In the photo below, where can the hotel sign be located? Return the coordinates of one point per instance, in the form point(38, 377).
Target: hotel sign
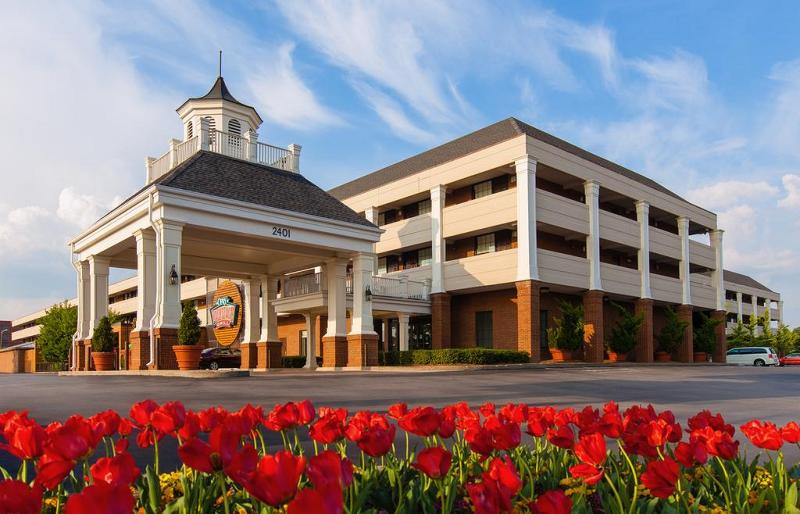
point(226, 313)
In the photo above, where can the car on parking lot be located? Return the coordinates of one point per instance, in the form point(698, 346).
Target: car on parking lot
point(220, 357)
point(790, 359)
point(753, 356)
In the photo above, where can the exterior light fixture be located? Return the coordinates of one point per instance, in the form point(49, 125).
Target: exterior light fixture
point(368, 294)
point(544, 290)
point(173, 276)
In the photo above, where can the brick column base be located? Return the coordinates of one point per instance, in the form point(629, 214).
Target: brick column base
point(362, 350)
point(140, 350)
point(528, 328)
point(88, 365)
point(166, 338)
point(440, 321)
point(720, 339)
point(644, 339)
point(249, 355)
point(81, 356)
point(270, 355)
point(334, 351)
point(594, 337)
point(686, 349)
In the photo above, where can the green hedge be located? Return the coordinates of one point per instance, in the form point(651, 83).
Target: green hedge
point(453, 356)
point(297, 361)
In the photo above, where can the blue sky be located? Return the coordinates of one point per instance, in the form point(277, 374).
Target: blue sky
point(702, 96)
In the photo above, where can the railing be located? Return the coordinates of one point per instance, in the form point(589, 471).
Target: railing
point(159, 167)
point(274, 156)
point(304, 284)
point(228, 144)
point(379, 286)
point(186, 149)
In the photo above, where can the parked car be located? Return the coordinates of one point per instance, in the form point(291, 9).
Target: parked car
point(753, 356)
point(790, 359)
point(220, 357)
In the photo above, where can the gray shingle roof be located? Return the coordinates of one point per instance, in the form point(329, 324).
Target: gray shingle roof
point(743, 280)
point(478, 140)
point(226, 177)
point(219, 91)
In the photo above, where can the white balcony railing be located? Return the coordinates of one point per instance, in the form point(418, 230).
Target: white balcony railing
point(303, 284)
point(393, 287)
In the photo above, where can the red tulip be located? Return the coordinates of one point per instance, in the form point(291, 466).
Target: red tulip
point(329, 427)
point(791, 432)
point(398, 410)
point(25, 441)
point(141, 413)
point(487, 409)
point(51, 470)
point(17, 498)
point(371, 432)
point(705, 419)
point(589, 473)
point(283, 417)
point(591, 449)
point(496, 490)
point(552, 502)
point(118, 470)
point(168, 418)
point(326, 501)
point(691, 453)
point(661, 477)
point(506, 435)
point(221, 453)
point(434, 462)
point(275, 479)
point(253, 415)
point(484, 498)
point(503, 472)
point(421, 421)
point(465, 417)
point(763, 434)
point(329, 469)
point(516, 412)
point(101, 497)
point(306, 412)
point(191, 426)
point(539, 420)
point(563, 437)
point(106, 423)
point(479, 440)
point(588, 420)
point(211, 418)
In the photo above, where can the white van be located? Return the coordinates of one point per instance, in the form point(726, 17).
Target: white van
point(753, 356)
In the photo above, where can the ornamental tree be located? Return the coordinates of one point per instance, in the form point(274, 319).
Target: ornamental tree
point(57, 328)
point(189, 325)
point(671, 335)
point(103, 336)
point(568, 331)
point(704, 333)
point(623, 336)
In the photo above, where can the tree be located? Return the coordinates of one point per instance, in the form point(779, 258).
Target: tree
point(568, 331)
point(785, 340)
point(704, 333)
point(189, 325)
point(741, 335)
point(103, 336)
point(671, 335)
point(58, 325)
point(624, 334)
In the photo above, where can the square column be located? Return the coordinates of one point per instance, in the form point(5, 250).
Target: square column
point(252, 322)
point(270, 352)
point(168, 293)
point(362, 341)
point(527, 268)
point(720, 339)
point(145, 278)
point(686, 349)
point(780, 311)
point(644, 338)
point(685, 275)
point(754, 303)
point(440, 321)
point(594, 337)
point(371, 213)
point(335, 338)
point(84, 319)
point(592, 192)
point(402, 321)
point(717, 277)
point(98, 291)
point(437, 239)
point(311, 350)
point(643, 218)
point(528, 329)
point(739, 313)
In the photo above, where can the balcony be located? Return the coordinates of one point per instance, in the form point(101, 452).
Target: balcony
point(481, 213)
point(620, 280)
point(619, 229)
point(405, 233)
point(703, 294)
point(18, 335)
point(665, 243)
point(560, 268)
point(702, 254)
point(558, 211)
point(481, 270)
point(666, 289)
point(392, 287)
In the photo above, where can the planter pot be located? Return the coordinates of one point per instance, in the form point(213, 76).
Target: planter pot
point(663, 357)
point(188, 356)
point(700, 357)
point(561, 355)
point(103, 361)
point(617, 357)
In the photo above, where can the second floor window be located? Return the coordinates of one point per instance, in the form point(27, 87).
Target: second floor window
point(424, 256)
point(482, 189)
point(424, 206)
point(484, 244)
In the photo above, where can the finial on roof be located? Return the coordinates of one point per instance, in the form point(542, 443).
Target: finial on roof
point(219, 74)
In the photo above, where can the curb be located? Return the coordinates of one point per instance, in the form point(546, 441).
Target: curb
point(172, 373)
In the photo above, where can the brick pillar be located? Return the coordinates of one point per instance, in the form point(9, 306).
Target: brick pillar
point(362, 350)
point(593, 326)
point(87, 355)
point(720, 339)
point(440, 321)
point(686, 349)
point(140, 349)
point(334, 351)
point(644, 339)
point(81, 356)
point(166, 338)
point(249, 355)
point(528, 318)
point(274, 354)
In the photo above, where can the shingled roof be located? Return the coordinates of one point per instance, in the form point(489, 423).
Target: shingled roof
point(226, 177)
point(478, 140)
point(743, 280)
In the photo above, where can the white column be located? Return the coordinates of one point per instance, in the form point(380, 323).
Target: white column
point(754, 303)
point(145, 278)
point(84, 295)
point(643, 217)
point(311, 348)
point(294, 151)
point(251, 144)
point(403, 331)
point(203, 130)
point(527, 267)
point(592, 192)
point(169, 309)
point(371, 213)
point(780, 311)
point(269, 321)
point(98, 290)
point(173, 152)
point(362, 308)
point(739, 312)
point(252, 320)
point(336, 273)
point(717, 278)
point(684, 273)
point(437, 239)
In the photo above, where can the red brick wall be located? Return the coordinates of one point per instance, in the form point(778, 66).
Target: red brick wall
point(503, 305)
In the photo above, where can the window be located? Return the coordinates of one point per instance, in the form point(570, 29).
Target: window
point(212, 131)
point(381, 265)
point(424, 256)
point(483, 329)
point(234, 127)
point(425, 206)
point(482, 189)
point(189, 130)
point(484, 244)
point(303, 342)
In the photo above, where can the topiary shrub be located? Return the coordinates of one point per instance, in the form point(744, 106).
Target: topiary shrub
point(475, 356)
point(567, 334)
point(704, 336)
point(103, 336)
point(671, 335)
point(189, 325)
point(624, 334)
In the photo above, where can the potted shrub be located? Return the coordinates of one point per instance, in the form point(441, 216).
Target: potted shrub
point(566, 337)
point(103, 345)
point(187, 351)
point(704, 337)
point(670, 336)
point(624, 334)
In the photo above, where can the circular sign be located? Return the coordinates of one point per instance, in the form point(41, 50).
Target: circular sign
point(226, 313)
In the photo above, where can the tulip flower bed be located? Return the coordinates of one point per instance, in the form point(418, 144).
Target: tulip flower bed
point(515, 458)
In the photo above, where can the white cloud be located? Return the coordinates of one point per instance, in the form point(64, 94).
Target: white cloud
point(392, 114)
point(28, 229)
point(791, 184)
point(781, 129)
point(674, 82)
point(721, 195)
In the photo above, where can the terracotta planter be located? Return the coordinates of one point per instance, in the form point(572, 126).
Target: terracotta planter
point(561, 355)
point(663, 357)
point(188, 356)
point(103, 361)
point(700, 357)
point(617, 357)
